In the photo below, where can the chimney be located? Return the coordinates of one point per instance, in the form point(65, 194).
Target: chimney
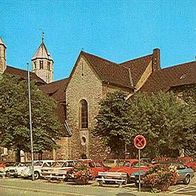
point(2, 56)
point(156, 59)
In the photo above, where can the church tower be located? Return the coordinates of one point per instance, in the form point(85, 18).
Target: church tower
point(2, 56)
point(42, 63)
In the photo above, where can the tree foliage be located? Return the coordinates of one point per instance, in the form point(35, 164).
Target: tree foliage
point(167, 123)
point(112, 121)
point(14, 121)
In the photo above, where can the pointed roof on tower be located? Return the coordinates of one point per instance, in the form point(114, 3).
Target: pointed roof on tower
point(42, 52)
point(1, 42)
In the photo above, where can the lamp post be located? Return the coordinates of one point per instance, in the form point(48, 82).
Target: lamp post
point(30, 121)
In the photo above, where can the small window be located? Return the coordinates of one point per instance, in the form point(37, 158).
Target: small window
point(35, 65)
point(41, 64)
point(48, 66)
point(84, 113)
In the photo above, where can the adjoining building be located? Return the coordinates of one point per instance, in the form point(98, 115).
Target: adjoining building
point(91, 78)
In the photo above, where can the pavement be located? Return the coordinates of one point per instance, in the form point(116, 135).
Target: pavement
point(17, 186)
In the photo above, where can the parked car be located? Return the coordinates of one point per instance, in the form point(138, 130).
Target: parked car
point(2, 169)
point(58, 170)
point(113, 162)
point(189, 162)
point(16, 169)
point(124, 172)
point(38, 165)
point(184, 173)
point(94, 168)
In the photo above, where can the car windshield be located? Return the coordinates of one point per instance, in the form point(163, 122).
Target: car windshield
point(57, 164)
point(68, 164)
point(11, 164)
point(127, 164)
point(142, 164)
point(38, 163)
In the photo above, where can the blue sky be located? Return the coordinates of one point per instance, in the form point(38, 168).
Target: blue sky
point(115, 30)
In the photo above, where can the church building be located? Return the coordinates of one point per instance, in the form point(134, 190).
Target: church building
point(91, 78)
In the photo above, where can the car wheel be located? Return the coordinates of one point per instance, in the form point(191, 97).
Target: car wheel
point(187, 179)
point(126, 180)
point(137, 184)
point(36, 175)
point(66, 179)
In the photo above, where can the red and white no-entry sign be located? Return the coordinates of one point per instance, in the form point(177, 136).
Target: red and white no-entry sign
point(139, 142)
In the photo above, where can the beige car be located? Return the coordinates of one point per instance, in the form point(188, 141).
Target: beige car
point(58, 170)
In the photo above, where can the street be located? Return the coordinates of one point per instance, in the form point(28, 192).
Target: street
point(17, 186)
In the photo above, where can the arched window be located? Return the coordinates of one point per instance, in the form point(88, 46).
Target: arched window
point(84, 113)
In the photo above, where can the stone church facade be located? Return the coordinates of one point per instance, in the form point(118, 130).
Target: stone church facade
point(92, 77)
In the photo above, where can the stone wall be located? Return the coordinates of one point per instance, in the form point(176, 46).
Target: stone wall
point(84, 84)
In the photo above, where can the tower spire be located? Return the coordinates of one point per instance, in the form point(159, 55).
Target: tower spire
point(42, 37)
point(42, 63)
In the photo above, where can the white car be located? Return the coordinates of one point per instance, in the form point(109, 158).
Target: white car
point(38, 165)
point(16, 169)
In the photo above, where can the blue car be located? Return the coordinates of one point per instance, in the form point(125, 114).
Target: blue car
point(184, 173)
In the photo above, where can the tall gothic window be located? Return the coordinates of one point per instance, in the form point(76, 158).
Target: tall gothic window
point(48, 64)
point(84, 113)
point(41, 64)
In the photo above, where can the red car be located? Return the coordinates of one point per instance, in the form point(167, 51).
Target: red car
point(189, 162)
point(95, 167)
point(130, 167)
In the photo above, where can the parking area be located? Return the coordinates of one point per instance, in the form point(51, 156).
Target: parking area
point(18, 186)
point(182, 189)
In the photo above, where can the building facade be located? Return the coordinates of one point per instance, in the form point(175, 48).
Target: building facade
point(92, 77)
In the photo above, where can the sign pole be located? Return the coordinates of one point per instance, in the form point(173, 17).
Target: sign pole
point(139, 170)
point(30, 119)
point(139, 143)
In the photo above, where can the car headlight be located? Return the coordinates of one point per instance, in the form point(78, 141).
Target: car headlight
point(132, 176)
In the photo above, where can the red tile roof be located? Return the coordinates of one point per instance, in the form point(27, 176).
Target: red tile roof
point(115, 74)
point(23, 74)
point(169, 77)
point(56, 89)
point(137, 67)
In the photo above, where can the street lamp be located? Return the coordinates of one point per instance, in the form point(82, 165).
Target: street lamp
point(30, 120)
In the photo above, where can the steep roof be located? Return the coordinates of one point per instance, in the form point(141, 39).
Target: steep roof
point(164, 79)
point(23, 74)
point(1, 42)
point(109, 72)
point(56, 89)
point(137, 67)
point(42, 53)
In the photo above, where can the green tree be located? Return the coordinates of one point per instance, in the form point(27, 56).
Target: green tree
point(112, 122)
point(14, 121)
point(167, 123)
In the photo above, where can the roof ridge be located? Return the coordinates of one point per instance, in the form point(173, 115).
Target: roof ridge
point(138, 58)
point(57, 81)
point(86, 53)
point(177, 65)
point(18, 68)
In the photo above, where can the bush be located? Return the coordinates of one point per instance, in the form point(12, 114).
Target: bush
point(81, 173)
point(160, 177)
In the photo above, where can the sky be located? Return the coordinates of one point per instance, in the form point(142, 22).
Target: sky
point(118, 30)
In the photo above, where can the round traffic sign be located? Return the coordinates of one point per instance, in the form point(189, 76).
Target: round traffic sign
point(139, 141)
